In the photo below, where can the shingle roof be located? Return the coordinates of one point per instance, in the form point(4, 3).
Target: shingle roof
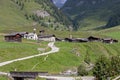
point(15, 33)
point(46, 36)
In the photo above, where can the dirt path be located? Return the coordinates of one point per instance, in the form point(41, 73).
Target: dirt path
point(3, 73)
point(51, 45)
point(117, 78)
point(69, 78)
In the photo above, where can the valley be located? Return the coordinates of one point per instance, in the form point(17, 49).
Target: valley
point(65, 59)
point(74, 20)
point(89, 15)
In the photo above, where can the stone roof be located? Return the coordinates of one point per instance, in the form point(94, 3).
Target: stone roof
point(15, 33)
point(45, 36)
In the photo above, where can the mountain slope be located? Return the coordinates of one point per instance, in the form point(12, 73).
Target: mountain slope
point(19, 15)
point(10, 16)
point(89, 14)
point(65, 59)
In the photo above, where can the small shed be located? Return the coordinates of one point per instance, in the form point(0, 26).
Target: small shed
point(68, 39)
point(14, 37)
point(46, 38)
point(82, 39)
point(91, 38)
point(109, 40)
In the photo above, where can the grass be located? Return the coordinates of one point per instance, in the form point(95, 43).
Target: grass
point(111, 32)
point(12, 19)
point(10, 50)
point(91, 23)
point(65, 59)
point(3, 78)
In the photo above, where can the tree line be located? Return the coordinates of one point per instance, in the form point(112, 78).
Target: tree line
point(104, 68)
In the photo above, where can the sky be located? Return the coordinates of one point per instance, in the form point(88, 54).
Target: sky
point(59, 2)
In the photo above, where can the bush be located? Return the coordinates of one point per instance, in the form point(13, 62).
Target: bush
point(82, 70)
point(115, 65)
point(105, 68)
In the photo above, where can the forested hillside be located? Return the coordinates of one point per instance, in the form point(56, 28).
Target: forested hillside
point(24, 14)
point(90, 14)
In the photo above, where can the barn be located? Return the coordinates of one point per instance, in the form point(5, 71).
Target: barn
point(109, 40)
point(13, 37)
point(91, 38)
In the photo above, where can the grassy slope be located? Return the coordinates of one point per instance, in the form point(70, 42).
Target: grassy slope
point(11, 17)
point(64, 59)
point(55, 63)
point(111, 32)
point(10, 51)
point(90, 23)
point(3, 78)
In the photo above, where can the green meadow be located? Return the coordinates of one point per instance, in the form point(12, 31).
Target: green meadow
point(70, 56)
point(66, 58)
point(11, 50)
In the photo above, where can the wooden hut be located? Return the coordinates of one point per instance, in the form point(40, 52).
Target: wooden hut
point(82, 39)
point(46, 38)
point(91, 38)
point(14, 37)
point(109, 40)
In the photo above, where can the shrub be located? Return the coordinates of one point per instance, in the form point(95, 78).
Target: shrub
point(82, 70)
point(105, 68)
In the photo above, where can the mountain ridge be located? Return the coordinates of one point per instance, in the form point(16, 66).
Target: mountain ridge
point(88, 13)
point(20, 15)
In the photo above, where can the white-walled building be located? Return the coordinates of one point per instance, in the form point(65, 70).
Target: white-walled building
point(32, 36)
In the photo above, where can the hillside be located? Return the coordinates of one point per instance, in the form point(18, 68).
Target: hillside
point(90, 14)
point(21, 15)
point(87, 16)
point(63, 60)
point(113, 32)
point(66, 58)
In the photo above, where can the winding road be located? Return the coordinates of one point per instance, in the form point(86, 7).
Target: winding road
point(53, 50)
point(51, 45)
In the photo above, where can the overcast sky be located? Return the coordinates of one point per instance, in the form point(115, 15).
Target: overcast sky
point(59, 1)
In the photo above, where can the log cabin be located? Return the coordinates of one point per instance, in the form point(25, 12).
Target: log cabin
point(14, 37)
point(91, 38)
point(109, 40)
